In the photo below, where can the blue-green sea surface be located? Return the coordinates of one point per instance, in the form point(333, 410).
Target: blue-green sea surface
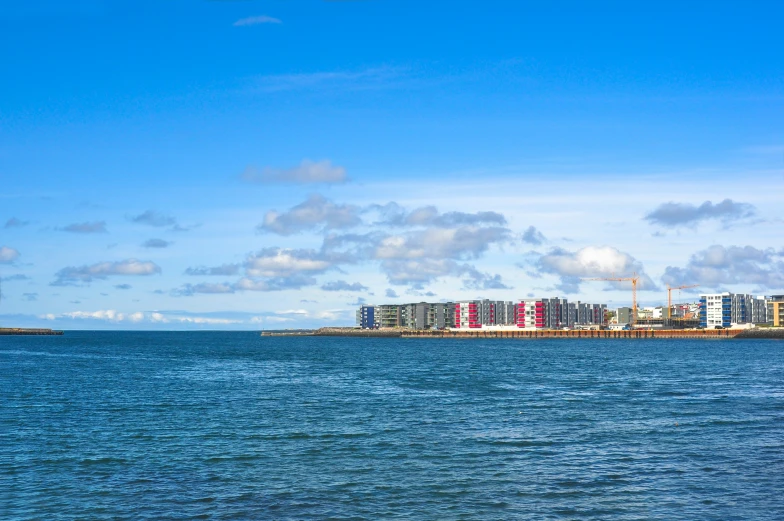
point(121, 425)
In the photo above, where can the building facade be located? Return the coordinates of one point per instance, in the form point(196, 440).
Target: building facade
point(623, 315)
point(473, 314)
point(366, 317)
point(420, 315)
point(534, 313)
point(726, 309)
point(775, 311)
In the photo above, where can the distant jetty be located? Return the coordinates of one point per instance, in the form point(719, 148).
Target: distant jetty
point(775, 333)
point(16, 331)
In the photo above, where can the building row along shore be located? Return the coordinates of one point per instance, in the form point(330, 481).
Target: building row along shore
point(712, 311)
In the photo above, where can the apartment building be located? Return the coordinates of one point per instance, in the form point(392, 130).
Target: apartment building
point(366, 317)
point(473, 314)
point(726, 309)
point(426, 315)
point(542, 313)
point(590, 314)
point(421, 315)
point(389, 315)
point(775, 310)
point(557, 313)
point(532, 313)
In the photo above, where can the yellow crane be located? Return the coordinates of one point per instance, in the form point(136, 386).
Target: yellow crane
point(634, 279)
point(669, 295)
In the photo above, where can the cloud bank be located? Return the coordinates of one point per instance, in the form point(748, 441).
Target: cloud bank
point(671, 215)
point(717, 266)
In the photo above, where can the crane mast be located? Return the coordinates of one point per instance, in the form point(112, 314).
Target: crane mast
point(634, 279)
point(669, 295)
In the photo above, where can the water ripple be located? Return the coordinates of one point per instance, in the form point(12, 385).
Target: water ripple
point(234, 426)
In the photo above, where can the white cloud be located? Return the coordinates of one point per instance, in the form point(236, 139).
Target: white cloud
point(441, 243)
point(393, 214)
point(591, 262)
point(256, 20)
point(323, 314)
point(140, 317)
point(341, 81)
point(342, 285)
point(102, 270)
point(153, 218)
point(8, 255)
point(14, 222)
point(275, 284)
point(85, 227)
point(156, 243)
point(307, 172)
point(672, 214)
point(15, 277)
point(316, 211)
point(223, 270)
point(717, 266)
point(278, 262)
point(533, 236)
point(109, 315)
point(187, 290)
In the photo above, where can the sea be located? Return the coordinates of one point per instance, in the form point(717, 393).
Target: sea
point(232, 425)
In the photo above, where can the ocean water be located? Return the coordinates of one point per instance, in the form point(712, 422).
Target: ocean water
point(121, 425)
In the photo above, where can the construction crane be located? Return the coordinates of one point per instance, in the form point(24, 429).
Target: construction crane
point(634, 279)
point(669, 296)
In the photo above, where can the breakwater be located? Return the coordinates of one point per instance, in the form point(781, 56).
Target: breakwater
point(15, 331)
point(547, 333)
point(350, 331)
point(763, 332)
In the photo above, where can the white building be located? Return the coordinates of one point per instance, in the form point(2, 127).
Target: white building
point(727, 309)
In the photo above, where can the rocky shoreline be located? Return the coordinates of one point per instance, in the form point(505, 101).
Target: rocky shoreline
point(350, 331)
point(763, 332)
point(15, 331)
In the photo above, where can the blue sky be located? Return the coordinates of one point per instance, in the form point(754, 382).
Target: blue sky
point(248, 164)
